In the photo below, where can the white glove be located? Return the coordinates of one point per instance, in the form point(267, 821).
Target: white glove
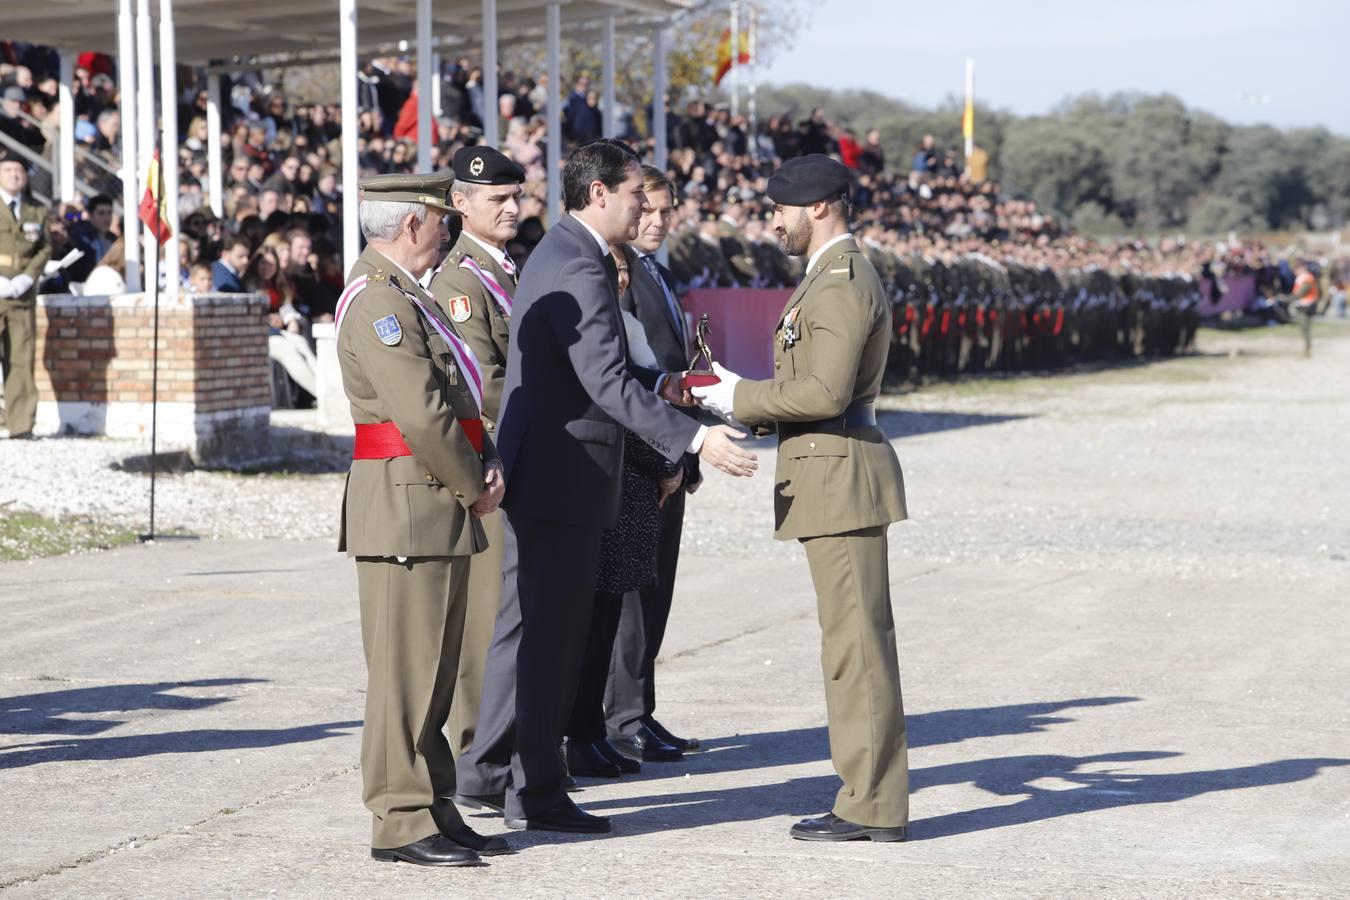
point(720, 397)
point(6, 288)
point(20, 284)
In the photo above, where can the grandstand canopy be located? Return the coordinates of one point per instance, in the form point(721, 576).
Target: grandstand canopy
point(220, 29)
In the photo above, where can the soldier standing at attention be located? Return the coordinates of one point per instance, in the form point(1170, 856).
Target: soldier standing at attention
point(24, 251)
point(839, 487)
point(474, 287)
point(424, 474)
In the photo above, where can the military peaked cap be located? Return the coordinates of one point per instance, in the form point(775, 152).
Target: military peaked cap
point(486, 165)
point(808, 179)
point(433, 189)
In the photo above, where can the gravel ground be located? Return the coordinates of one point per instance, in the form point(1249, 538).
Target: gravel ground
point(1207, 464)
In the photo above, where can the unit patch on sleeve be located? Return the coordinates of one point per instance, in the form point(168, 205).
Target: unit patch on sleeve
point(387, 330)
point(460, 309)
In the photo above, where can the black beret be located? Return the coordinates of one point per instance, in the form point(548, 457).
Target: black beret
point(484, 165)
point(808, 179)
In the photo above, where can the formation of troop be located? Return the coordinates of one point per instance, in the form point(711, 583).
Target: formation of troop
point(525, 441)
point(965, 305)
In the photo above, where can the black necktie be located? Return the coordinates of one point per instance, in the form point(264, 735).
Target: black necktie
point(14, 208)
point(612, 270)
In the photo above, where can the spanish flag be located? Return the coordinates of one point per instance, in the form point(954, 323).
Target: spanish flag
point(724, 53)
point(154, 212)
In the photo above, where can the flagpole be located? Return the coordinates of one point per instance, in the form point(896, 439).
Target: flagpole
point(754, 73)
point(735, 57)
point(970, 109)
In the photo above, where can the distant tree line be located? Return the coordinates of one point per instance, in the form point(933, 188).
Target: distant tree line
point(1121, 164)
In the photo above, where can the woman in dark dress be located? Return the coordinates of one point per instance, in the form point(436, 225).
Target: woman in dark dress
point(627, 563)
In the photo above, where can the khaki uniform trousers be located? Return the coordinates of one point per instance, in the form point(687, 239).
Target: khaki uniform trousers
point(485, 596)
point(862, 676)
point(412, 622)
point(18, 355)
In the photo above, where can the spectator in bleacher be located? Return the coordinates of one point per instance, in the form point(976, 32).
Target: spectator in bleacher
point(12, 122)
point(228, 271)
point(581, 113)
point(109, 276)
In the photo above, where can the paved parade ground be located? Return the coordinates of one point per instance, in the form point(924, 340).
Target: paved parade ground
point(1122, 603)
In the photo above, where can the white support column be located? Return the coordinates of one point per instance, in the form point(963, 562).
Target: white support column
point(126, 90)
point(491, 125)
point(608, 99)
point(351, 169)
point(554, 39)
point(215, 173)
point(145, 126)
point(66, 146)
point(659, 90)
point(437, 108)
point(425, 127)
point(168, 79)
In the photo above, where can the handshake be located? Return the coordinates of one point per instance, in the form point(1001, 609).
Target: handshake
point(719, 444)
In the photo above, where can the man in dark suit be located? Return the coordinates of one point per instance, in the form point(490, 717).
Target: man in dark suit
point(570, 391)
point(227, 273)
point(630, 698)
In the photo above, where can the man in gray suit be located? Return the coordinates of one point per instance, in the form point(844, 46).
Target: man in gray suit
point(630, 697)
point(570, 390)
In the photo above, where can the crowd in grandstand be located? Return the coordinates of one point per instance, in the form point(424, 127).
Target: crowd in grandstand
point(953, 246)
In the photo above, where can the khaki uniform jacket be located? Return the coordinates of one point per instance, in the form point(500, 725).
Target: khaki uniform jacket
point(486, 329)
point(831, 480)
point(411, 505)
point(24, 248)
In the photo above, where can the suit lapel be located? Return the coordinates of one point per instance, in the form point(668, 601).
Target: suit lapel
point(652, 285)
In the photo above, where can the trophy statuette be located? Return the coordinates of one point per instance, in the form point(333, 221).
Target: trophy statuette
point(700, 376)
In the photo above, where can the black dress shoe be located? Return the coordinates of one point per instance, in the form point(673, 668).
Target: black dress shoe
point(684, 744)
point(434, 850)
point(830, 827)
point(570, 785)
point(626, 765)
point(490, 802)
point(646, 746)
point(563, 817)
point(585, 760)
point(453, 827)
point(486, 845)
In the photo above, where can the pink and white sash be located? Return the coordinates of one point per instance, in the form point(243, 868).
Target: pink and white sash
point(463, 353)
point(496, 290)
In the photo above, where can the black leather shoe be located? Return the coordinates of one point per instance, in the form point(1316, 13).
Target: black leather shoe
point(434, 850)
point(679, 743)
point(585, 760)
point(563, 817)
point(453, 827)
point(490, 802)
point(613, 754)
point(646, 746)
point(830, 827)
point(570, 785)
point(486, 845)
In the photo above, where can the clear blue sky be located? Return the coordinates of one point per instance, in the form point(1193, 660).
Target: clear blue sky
point(1285, 63)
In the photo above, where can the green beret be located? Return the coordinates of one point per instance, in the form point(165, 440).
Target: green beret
point(433, 189)
point(808, 179)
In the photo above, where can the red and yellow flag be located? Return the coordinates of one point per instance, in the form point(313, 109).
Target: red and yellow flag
point(724, 53)
point(154, 212)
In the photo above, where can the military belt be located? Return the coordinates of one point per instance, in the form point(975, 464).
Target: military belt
point(383, 440)
point(860, 414)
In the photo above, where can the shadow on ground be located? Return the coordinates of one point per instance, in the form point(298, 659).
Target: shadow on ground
point(50, 713)
point(1050, 785)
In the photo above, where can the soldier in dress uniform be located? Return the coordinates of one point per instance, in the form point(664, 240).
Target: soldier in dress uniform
point(424, 474)
point(474, 286)
point(839, 486)
point(24, 251)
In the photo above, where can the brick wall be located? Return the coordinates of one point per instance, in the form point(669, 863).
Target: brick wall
point(94, 368)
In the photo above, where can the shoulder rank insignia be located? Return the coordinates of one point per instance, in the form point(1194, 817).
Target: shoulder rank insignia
point(460, 308)
point(387, 331)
